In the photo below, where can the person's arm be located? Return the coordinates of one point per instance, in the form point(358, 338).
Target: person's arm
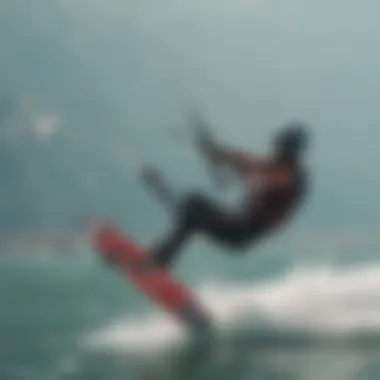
point(241, 162)
point(245, 164)
point(238, 160)
point(153, 179)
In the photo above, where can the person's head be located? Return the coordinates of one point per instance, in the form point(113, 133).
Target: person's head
point(290, 142)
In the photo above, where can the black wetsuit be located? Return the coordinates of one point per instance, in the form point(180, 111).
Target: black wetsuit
point(198, 214)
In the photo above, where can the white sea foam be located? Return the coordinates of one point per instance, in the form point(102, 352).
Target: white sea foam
point(319, 300)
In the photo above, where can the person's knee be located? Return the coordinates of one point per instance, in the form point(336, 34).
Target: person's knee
point(194, 201)
point(241, 245)
point(240, 242)
point(192, 210)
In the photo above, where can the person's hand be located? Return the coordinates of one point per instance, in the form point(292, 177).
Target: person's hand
point(206, 144)
point(150, 176)
point(203, 136)
point(205, 141)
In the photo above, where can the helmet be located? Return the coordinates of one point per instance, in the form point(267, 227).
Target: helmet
point(292, 138)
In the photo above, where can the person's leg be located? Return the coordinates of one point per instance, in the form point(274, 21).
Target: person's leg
point(154, 180)
point(195, 213)
point(198, 214)
point(163, 252)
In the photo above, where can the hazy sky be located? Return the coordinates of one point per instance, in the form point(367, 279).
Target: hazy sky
point(101, 85)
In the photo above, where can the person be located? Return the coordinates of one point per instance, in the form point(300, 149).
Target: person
point(275, 186)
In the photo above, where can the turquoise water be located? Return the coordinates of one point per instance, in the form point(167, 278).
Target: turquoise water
point(91, 90)
point(72, 319)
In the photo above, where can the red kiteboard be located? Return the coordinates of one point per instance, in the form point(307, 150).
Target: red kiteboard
point(156, 282)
